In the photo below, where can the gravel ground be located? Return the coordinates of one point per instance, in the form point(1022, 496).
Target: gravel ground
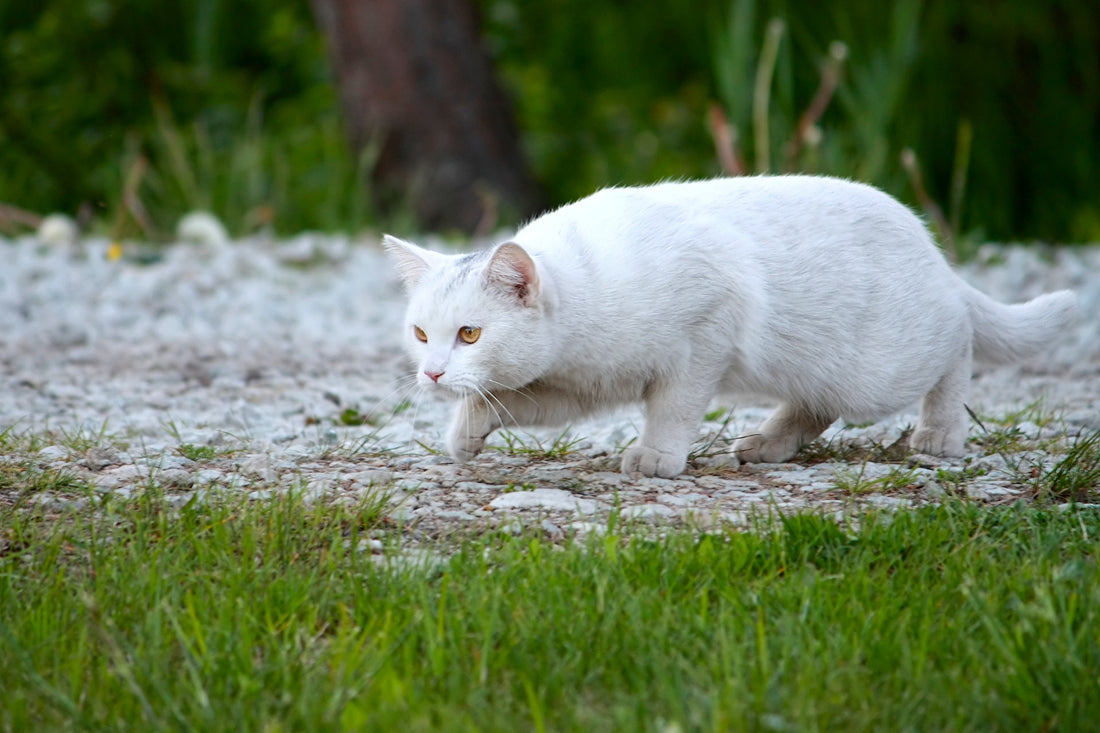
point(263, 350)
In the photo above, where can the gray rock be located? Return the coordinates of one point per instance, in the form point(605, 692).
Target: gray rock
point(52, 453)
point(371, 477)
point(118, 476)
point(174, 478)
point(798, 477)
point(97, 459)
point(208, 476)
point(259, 465)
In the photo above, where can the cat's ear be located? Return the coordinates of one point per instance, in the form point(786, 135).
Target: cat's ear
point(411, 261)
point(513, 270)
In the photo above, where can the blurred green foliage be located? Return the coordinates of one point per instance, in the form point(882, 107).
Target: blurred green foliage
point(616, 91)
point(230, 103)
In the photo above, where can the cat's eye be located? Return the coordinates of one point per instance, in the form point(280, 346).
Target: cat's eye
point(469, 334)
point(420, 335)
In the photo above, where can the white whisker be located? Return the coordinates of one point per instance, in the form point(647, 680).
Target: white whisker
point(489, 398)
point(522, 391)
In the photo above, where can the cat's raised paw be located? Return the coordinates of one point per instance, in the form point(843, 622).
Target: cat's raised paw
point(758, 449)
point(720, 460)
point(652, 462)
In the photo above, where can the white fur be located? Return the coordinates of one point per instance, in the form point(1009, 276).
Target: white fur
point(825, 294)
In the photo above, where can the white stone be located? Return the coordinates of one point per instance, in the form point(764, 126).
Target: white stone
point(583, 528)
point(114, 477)
point(259, 465)
point(202, 228)
point(796, 478)
point(174, 478)
point(647, 511)
point(208, 476)
point(654, 482)
point(551, 499)
point(683, 499)
point(52, 453)
point(889, 502)
point(58, 230)
point(453, 514)
point(462, 486)
point(371, 477)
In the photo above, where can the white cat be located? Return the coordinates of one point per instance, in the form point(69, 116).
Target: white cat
point(827, 295)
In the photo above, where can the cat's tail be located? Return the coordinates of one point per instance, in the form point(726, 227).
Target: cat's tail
point(1008, 333)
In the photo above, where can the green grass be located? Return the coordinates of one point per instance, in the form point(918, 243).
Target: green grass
point(526, 444)
point(240, 615)
point(1073, 477)
point(843, 448)
point(1006, 433)
point(199, 452)
point(854, 481)
point(20, 474)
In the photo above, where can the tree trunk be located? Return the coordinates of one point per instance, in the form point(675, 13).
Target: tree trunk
point(416, 82)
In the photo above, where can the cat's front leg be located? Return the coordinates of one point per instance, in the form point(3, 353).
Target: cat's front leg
point(472, 423)
point(674, 412)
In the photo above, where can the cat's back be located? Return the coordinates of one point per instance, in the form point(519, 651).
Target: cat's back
point(766, 220)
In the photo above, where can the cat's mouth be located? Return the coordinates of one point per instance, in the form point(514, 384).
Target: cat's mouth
point(456, 391)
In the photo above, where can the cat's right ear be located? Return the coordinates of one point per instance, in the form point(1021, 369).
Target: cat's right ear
point(411, 261)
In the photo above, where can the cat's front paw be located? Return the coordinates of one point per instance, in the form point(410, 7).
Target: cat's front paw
point(652, 462)
point(467, 435)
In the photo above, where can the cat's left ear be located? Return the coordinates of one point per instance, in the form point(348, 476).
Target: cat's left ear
point(412, 261)
point(513, 270)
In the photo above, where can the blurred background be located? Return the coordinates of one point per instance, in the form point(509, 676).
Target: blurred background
point(459, 116)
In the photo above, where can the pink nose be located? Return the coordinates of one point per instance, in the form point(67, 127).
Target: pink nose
point(434, 376)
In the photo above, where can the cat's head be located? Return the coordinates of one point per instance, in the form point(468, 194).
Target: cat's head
point(475, 322)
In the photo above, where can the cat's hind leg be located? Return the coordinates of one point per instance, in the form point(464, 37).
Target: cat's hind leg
point(782, 434)
point(941, 427)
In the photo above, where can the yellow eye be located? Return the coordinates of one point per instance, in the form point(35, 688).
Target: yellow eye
point(469, 334)
point(420, 335)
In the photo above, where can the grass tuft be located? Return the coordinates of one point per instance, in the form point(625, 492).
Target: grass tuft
point(199, 452)
point(1076, 476)
point(856, 482)
point(845, 449)
point(529, 445)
